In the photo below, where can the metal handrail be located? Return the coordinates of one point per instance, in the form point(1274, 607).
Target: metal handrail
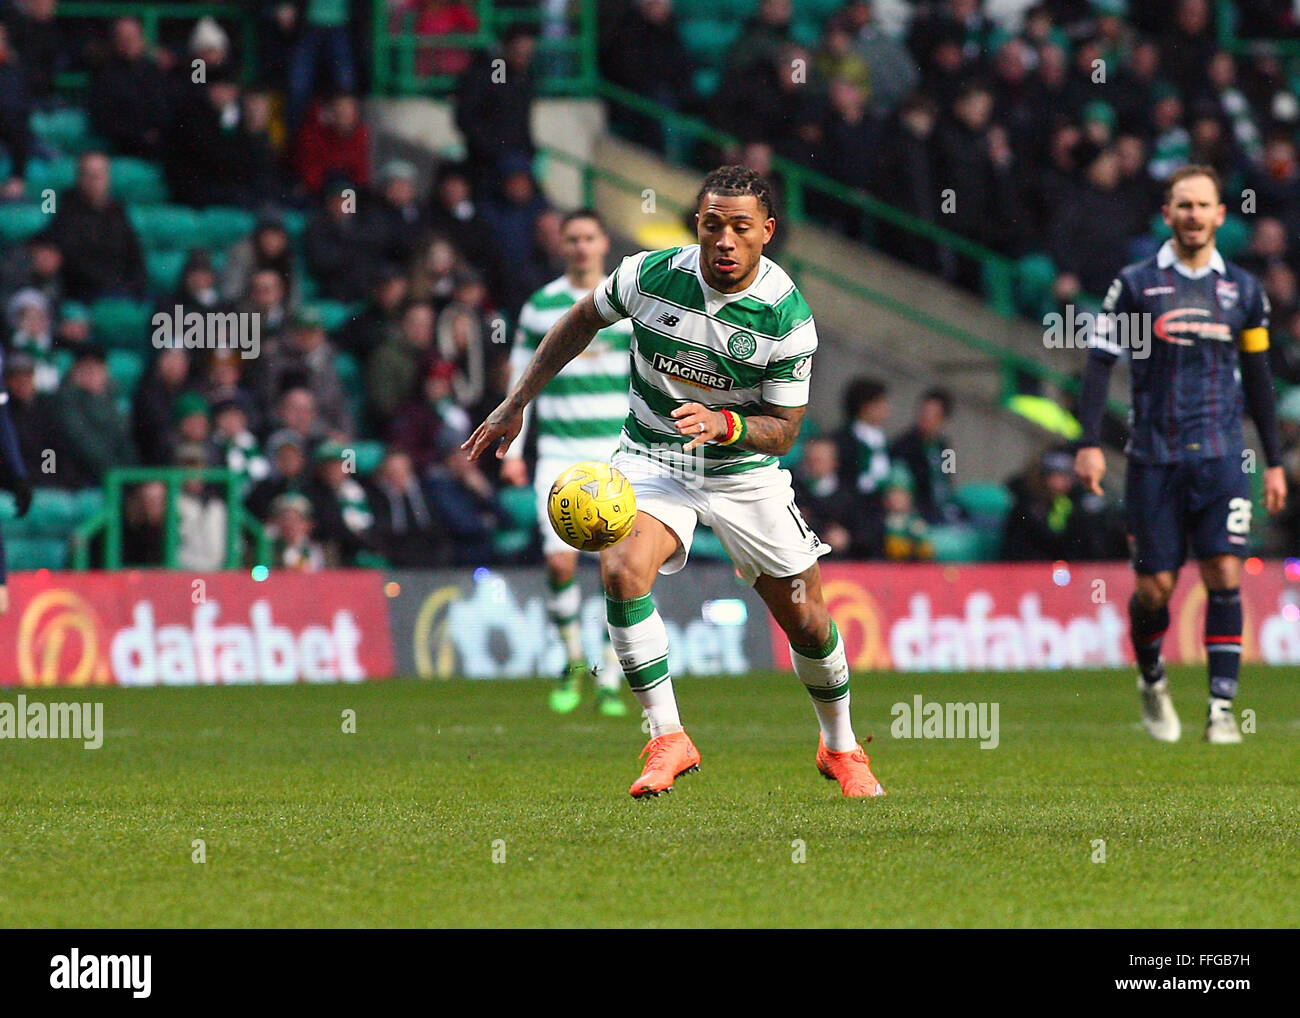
point(109, 520)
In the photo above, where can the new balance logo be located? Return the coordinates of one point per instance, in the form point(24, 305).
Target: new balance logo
point(668, 320)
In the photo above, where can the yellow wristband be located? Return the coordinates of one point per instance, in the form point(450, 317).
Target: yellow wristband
point(737, 428)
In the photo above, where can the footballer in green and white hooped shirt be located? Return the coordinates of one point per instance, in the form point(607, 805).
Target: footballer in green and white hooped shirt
point(578, 416)
point(722, 351)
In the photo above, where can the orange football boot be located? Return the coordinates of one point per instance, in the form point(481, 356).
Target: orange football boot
point(671, 756)
point(852, 770)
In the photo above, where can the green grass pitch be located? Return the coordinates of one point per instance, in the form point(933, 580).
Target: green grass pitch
point(398, 824)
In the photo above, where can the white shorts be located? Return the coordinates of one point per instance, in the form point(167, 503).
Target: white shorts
point(753, 515)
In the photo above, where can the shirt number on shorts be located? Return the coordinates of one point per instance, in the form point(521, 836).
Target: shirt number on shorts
point(1239, 516)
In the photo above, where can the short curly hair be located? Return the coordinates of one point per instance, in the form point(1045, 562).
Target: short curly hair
point(738, 180)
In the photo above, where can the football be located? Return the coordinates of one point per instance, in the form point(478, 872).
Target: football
point(591, 506)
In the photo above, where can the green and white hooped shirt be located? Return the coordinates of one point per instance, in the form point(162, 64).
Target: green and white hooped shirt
point(580, 413)
point(691, 343)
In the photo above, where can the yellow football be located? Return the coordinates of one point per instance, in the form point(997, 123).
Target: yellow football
point(592, 506)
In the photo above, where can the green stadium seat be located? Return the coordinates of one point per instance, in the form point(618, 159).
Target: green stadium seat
point(989, 501)
point(294, 223)
point(369, 456)
point(354, 389)
point(52, 514)
point(707, 80)
point(137, 181)
point(37, 553)
point(89, 501)
point(738, 9)
point(1035, 276)
point(806, 32)
point(707, 40)
point(1232, 237)
point(66, 129)
point(308, 288)
point(121, 322)
point(705, 545)
point(519, 511)
point(223, 226)
point(959, 542)
point(333, 313)
point(819, 11)
point(53, 174)
point(18, 222)
point(164, 269)
point(125, 368)
point(167, 227)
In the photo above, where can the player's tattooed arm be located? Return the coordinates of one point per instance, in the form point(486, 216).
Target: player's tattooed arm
point(773, 432)
point(567, 338)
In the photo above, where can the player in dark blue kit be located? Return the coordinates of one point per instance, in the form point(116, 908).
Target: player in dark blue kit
point(13, 475)
point(1188, 478)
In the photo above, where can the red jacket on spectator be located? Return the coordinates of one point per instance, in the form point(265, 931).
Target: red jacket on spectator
point(434, 18)
point(322, 149)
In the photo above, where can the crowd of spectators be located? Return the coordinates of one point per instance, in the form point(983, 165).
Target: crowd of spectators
point(870, 496)
point(433, 261)
point(1034, 128)
point(430, 261)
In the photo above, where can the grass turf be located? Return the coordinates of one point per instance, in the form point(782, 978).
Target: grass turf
point(395, 825)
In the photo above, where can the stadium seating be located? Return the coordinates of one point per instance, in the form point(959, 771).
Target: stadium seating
point(519, 521)
point(20, 221)
point(121, 322)
point(125, 367)
point(224, 226)
point(163, 269)
point(332, 313)
point(40, 539)
point(66, 129)
point(50, 175)
point(167, 227)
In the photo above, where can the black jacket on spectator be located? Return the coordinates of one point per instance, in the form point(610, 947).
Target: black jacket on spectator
point(343, 253)
point(130, 105)
point(1086, 535)
point(101, 252)
point(207, 163)
point(1089, 235)
point(34, 422)
point(42, 52)
point(493, 116)
point(861, 516)
point(152, 425)
point(915, 453)
point(15, 108)
point(988, 204)
point(408, 531)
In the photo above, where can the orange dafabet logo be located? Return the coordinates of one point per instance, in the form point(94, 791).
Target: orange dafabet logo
point(59, 641)
point(859, 619)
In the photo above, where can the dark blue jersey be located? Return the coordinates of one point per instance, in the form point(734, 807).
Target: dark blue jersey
point(1187, 398)
point(11, 457)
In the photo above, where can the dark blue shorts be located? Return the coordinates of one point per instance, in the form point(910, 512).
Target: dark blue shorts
point(1204, 502)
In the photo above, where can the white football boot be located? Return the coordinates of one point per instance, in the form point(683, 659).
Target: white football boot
point(1221, 725)
point(1158, 715)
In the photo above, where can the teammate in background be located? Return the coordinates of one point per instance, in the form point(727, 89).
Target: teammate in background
point(721, 355)
point(579, 416)
point(13, 474)
point(1188, 477)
